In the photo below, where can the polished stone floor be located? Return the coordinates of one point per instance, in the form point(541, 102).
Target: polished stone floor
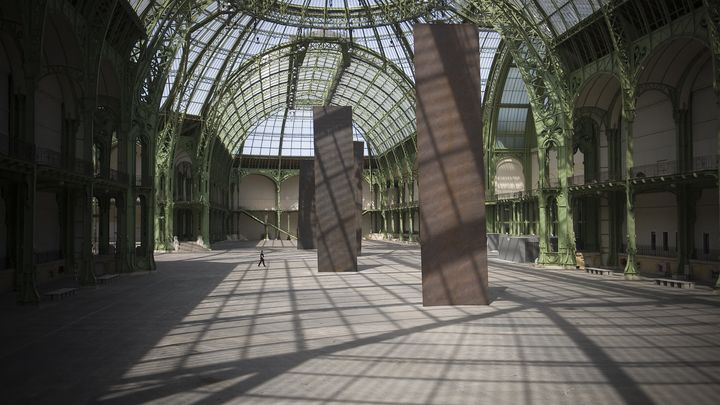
point(210, 328)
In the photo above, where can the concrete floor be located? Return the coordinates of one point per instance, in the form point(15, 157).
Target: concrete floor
point(211, 328)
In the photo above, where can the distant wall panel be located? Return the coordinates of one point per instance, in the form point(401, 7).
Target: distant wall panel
point(359, 152)
point(335, 206)
point(306, 205)
point(450, 165)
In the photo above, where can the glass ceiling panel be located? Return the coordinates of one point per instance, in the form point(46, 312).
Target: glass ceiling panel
point(489, 42)
point(381, 97)
point(297, 139)
point(514, 91)
point(339, 4)
point(512, 121)
point(512, 116)
point(219, 50)
point(140, 5)
point(560, 15)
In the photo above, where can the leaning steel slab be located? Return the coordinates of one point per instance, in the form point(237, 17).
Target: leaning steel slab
point(306, 205)
point(335, 206)
point(450, 165)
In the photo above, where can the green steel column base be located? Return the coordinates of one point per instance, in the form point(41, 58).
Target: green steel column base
point(87, 279)
point(29, 299)
point(86, 275)
point(631, 272)
point(89, 282)
point(27, 294)
point(717, 283)
point(144, 263)
point(568, 260)
point(547, 259)
point(129, 262)
point(556, 260)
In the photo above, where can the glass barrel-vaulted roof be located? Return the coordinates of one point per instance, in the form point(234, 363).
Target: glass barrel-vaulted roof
point(513, 112)
point(306, 73)
point(559, 15)
point(555, 17)
point(220, 46)
point(291, 129)
point(218, 39)
point(489, 42)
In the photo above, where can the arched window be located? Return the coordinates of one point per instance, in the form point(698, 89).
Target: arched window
point(509, 176)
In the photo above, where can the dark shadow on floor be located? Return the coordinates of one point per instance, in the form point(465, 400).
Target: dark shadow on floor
point(496, 293)
point(363, 267)
point(73, 350)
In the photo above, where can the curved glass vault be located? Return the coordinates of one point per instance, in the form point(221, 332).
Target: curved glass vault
point(237, 63)
point(286, 133)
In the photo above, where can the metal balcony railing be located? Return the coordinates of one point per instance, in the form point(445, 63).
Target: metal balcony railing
point(83, 167)
point(53, 158)
point(183, 197)
point(16, 148)
point(602, 177)
point(665, 168)
point(143, 181)
point(657, 251)
point(48, 157)
point(705, 163)
point(712, 255)
point(118, 176)
point(49, 256)
point(516, 195)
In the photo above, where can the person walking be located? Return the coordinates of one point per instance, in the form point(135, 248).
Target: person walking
point(262, 259)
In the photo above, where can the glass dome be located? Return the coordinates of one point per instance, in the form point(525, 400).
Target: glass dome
point(237, 63)
point(291, 129)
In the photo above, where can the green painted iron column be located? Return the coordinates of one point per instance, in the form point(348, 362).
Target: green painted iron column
point(164, 221)
point(411, 211)
point(130, 202)
point(66, 206)
point(566, 232)
point(685, 195)
point(616, 207)
point(104, 224)
point(278, 213)
point(204, 219)
point(121, 239)
point(87, 273)
point(616, 203)
point(27, 282)
point(543, 230)
point(401, 209)
point(385, 209)
point(630, 239)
